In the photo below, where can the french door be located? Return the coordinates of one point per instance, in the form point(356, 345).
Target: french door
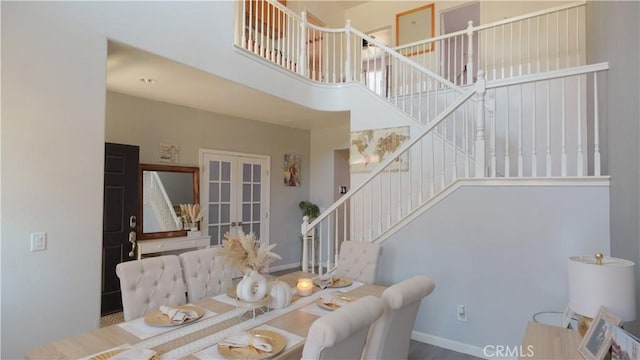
point(235, 194)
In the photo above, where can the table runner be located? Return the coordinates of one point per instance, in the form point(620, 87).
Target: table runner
point(213, 330)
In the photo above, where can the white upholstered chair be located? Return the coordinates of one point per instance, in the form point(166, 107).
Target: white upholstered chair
point(342, 333)
point(149, 283)
point(205, 273)
point(390, 335)
point(358, 261)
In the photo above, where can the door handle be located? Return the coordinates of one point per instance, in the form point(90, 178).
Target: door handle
point(132, 240)
point(132, 222)
point(233, 223)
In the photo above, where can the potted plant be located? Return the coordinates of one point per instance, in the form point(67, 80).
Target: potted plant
point(309, 209)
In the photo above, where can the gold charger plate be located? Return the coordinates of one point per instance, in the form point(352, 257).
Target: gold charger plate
point(341, 282)
point(276, 340)
point(157, 318)
point(329, 307)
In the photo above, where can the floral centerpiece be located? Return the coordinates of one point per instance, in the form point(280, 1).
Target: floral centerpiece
point(243, 253)
point(191, 214)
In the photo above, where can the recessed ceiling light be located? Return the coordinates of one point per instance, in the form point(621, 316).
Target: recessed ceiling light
point(147, 81)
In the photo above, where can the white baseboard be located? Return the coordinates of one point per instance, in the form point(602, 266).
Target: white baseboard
point(448, 344)
point(284, 267)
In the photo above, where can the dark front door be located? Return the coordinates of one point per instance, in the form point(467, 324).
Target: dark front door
point(119, 219)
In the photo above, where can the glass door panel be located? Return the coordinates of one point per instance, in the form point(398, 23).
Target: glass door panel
point(236, 193)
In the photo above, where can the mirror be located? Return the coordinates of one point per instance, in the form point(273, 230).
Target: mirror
point(162, 188)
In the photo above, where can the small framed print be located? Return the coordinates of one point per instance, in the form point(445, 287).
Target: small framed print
point(568, 315)
point(597, 341)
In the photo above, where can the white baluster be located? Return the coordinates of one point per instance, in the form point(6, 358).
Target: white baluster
point(534, 158)
point(563, 158)
point(507, 158)
point(305, 249)
point(548, 128)
point(302, 67)
point(580, 157)
point(596, 128)
point(520, 157)
point(481, 88)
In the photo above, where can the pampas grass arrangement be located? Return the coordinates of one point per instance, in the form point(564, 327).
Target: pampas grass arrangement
point(242, 252)
point(191, 213)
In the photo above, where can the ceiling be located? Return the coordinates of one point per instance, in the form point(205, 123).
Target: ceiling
point(176, 83)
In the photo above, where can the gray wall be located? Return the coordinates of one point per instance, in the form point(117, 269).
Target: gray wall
point(502, 251)
point(146, 123)
point(612, 35)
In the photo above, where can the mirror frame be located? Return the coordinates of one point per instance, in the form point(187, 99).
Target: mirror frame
point(167, 168)
point(426, 11)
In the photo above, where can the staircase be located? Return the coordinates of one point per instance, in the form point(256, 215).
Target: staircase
point(519, 112)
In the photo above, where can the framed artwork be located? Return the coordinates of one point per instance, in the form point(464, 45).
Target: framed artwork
point(291, 170)
point(567, 316)
point(368, 148)
point(169, 153)
point(597, 341)
point(416, 25)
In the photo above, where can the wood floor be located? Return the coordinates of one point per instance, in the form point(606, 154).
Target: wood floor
point(422, 351)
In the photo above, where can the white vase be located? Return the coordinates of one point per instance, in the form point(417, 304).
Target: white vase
point(252, 287)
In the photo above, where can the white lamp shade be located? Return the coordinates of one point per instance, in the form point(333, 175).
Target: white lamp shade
point(610, 284)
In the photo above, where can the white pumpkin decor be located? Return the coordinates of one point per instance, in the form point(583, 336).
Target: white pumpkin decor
point(252, 287)
point(281, 295)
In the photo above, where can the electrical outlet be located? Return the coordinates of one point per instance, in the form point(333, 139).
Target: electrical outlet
point(462, 313)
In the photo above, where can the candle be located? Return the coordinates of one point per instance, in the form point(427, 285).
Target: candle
point(305, 287)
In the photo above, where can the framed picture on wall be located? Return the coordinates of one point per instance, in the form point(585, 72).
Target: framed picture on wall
point(291, 170)
point(368, 148)
point(416, 25)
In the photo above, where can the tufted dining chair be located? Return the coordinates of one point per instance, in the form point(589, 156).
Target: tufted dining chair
point(341, 334)
point(205, 273)
point(390, 335)
point(150, 283)
point(358, 261)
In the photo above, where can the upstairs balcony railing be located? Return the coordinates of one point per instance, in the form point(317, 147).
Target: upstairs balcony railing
point(540, 41)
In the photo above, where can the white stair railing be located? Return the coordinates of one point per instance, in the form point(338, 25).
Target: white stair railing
point(157, 199)
point(540, 41)
point(517, 138)
point(405, 180)
point(340, 55)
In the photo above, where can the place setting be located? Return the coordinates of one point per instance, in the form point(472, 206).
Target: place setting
point(263, 342)
point(332, 282)
point(164, 319)
point(334, 300)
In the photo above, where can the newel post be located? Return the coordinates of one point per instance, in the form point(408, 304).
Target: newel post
point(470, 52)
point(347, 65)
point(305, 248)
point(302, 63)
point(481, 89)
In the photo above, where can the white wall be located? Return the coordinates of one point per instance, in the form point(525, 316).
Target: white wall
point(613, 36)
point(500, 258)
point(52, 173)
point(146, 123)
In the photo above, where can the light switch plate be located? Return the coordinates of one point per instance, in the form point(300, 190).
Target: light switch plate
point(38, 241)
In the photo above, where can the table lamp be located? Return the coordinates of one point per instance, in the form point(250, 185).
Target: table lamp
point(599, 280)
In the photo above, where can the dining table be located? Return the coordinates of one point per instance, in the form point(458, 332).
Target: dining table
point(223, 316)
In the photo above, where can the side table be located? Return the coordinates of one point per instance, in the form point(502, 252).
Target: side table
point(550, 342)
